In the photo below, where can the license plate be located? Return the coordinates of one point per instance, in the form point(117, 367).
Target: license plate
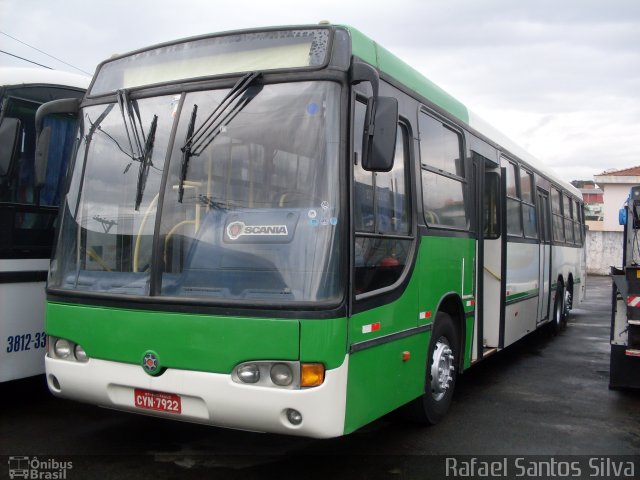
point(159, 401)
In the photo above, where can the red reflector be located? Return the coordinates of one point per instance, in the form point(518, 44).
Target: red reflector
point(375, 327)
point(406, 356)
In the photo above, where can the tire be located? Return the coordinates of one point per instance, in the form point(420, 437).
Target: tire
point(442, 370)
point(559, 320)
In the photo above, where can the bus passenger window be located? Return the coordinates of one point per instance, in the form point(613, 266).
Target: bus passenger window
point(491, 203)
point(558, 221)
point(514, 209)
point(529, 220)
point(443, 182)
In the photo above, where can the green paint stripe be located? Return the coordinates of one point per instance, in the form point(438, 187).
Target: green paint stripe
point(369, 51)
point(519, 295)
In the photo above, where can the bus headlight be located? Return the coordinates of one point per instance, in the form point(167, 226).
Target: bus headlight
point(62, 348)
point(281, 374)
point(80, 354)
point(265, 373)
point(249, 373)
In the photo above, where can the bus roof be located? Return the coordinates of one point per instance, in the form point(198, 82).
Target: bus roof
point(371, 52)
point(40, 76)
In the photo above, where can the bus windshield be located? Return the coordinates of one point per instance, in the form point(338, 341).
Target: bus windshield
point(251, 214)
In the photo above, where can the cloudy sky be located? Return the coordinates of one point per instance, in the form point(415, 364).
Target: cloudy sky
point(560, 77)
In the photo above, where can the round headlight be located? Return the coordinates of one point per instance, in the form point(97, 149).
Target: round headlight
point(62, 348)
point(249, 373)
point(281, 374)
point(80, 354)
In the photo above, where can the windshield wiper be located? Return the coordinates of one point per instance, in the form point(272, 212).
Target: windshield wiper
point(186, 153)
point(143, 144)
point(198, 141)
point(131, 121)
point(145, 162)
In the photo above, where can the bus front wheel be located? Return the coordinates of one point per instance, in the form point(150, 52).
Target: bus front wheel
point(440, 379)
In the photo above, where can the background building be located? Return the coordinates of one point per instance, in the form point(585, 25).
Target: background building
point(605, 235)
point(615, 186)
point(593, 203)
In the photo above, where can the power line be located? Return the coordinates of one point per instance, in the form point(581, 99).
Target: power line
point(45, 53)
point(25, 59)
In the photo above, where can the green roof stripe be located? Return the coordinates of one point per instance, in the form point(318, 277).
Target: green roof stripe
point(369, 51)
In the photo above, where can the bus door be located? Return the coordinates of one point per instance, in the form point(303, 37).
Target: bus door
point(490, 258)
point(544, 227)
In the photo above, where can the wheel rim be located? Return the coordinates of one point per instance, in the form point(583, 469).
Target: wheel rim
point(567, 302)
point(442, 369)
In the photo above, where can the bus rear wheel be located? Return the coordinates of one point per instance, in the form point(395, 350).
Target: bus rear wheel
point(559, 313)
point(440, 379)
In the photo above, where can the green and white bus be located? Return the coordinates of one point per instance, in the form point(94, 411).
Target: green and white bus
point(290, 230)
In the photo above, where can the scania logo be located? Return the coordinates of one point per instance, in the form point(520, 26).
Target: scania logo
point(150, 363)
point(238, 229)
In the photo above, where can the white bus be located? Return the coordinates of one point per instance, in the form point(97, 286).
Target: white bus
point(28, 210)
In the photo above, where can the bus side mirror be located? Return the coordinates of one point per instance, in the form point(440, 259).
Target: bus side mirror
point(9, 134)
point(379, 142)
point(380, 124)
point(64, 105)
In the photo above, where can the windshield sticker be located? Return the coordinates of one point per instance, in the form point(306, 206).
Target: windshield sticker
point(314, 222)
point(324, 222)
point(325, 205)
point(312, 214)
point(333, 221)
point(236, 230)
point(313, 108)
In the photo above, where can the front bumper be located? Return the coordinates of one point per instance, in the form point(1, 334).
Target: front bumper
point(208, 398)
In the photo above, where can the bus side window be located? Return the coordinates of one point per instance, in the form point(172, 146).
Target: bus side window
point(514, 206)
point(443, 176)
point(381, 215)
point(558, 221)
point(491, 206)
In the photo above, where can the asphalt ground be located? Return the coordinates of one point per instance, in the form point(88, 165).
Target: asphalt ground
point(544, 399)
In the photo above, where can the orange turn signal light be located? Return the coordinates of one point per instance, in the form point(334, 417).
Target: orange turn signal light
point(311, 374)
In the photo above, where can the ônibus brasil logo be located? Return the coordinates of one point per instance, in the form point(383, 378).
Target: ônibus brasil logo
point(150, 363)
point(238, 229)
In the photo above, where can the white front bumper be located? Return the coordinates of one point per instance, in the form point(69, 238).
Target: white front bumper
point(209, 398)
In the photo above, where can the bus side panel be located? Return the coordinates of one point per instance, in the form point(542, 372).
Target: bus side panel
point(448, 266)
point(468, 341)
point(184, 341)
point(23, 340)
point(380, 381)
point(323, 341)
point(522, 290)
